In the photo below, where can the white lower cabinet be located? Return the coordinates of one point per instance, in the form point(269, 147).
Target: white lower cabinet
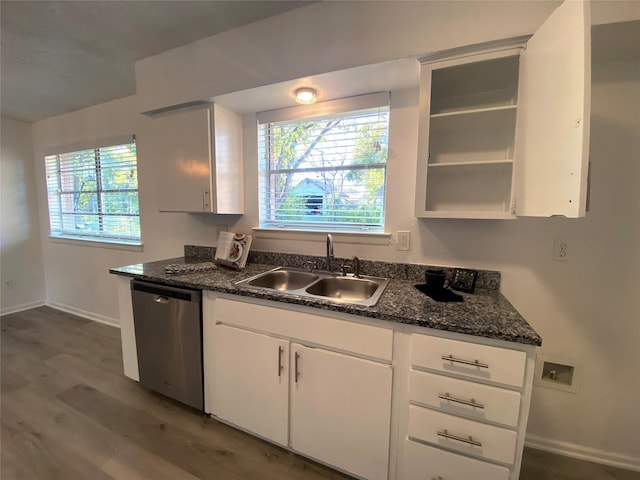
point(340, 410)
point(330, 406)
point(252, 381)
point(467, 409)
point(395, 403)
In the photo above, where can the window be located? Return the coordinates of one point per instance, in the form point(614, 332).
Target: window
point(93, 193)
point(324, 166)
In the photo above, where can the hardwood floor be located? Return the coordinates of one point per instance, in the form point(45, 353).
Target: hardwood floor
point(69, 413)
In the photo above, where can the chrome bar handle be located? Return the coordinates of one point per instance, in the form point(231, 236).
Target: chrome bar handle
point(471, 402)
point(474, 363)
point(280, 367)
point(296, 372)
point(205, 199)
point(437, 478)
point(468, 440)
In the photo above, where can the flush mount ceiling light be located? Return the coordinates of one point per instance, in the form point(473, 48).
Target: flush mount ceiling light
point(306, 95)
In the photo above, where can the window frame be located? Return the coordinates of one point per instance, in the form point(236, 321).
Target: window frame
point(103, 238)
point(320, 111)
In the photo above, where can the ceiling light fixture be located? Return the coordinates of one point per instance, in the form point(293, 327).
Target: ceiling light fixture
point(306, 95)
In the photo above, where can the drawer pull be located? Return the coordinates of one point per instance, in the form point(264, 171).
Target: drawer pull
point(437, 478)
point(469, 440)
point(474, 363)
point(471, 403)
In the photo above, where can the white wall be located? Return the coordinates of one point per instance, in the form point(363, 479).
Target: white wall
point(586, 309)
point(20, 254)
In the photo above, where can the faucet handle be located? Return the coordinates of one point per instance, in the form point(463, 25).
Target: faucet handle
point(311, 265)
point(344, 268)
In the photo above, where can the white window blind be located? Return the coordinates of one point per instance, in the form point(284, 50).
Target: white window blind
point(326, 171)
point(93, 194)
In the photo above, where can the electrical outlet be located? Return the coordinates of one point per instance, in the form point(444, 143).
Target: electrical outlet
point(8, 284)
point(560, 251)
point(404, 240)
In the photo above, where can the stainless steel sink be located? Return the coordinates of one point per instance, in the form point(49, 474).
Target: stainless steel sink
point(344, 288)
point(362, 290)
point(283, 280)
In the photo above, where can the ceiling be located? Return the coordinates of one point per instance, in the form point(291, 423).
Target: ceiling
point(60, 56)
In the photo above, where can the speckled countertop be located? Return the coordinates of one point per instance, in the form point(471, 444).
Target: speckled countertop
point(486, 313)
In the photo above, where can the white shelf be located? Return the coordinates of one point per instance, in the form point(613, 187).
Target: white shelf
point(473, 111)
point(469, 214)
point(471, 163)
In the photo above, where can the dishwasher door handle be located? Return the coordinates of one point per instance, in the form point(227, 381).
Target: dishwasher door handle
point(160, 299)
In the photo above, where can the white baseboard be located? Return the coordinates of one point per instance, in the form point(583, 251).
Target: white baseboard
point(113, 322)
point(581, 452)
point(21, 308)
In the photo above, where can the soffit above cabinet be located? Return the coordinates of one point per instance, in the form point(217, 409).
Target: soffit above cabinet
point(387, 76)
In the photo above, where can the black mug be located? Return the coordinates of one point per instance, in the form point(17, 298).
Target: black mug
point(434, 279)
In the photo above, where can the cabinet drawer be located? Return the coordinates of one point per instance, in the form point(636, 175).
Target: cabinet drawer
point(472, 360)
point(424, 463)
point(461, 397)
point(473, 438)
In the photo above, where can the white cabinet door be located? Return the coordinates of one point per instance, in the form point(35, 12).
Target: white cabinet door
point(198, 160)
point(182, 155)
point(553, 115)
point(340, 410)
point(252, 382)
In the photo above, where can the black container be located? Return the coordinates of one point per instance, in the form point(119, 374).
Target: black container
point(434, 279)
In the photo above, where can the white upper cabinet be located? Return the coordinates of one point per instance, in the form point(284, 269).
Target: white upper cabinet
point(504, 129)
point(198, 154)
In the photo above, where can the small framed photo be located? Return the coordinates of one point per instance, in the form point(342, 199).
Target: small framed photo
point(464, 280)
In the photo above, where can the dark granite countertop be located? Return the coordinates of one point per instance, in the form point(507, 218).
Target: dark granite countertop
point(485, 313)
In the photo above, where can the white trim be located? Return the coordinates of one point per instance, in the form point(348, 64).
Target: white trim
point(330, 107)
point(359, 238)
point(101, 143)
point(581, 452)
point(22, 307)
point(98, 243)
point(112, 322)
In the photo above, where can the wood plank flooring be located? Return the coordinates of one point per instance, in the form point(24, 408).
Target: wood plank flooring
point(68, 413)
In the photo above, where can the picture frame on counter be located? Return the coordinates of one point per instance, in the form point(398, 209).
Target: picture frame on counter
point(464, 280)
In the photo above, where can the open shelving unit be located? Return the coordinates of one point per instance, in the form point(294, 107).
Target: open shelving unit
point(469, 124)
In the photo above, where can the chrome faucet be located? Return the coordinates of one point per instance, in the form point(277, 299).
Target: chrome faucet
point(329, 251)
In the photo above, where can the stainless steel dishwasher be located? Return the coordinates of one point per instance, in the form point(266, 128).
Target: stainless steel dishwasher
point(168, 326)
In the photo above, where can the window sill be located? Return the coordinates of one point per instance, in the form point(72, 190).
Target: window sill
point(361, 238)
point(89, 242)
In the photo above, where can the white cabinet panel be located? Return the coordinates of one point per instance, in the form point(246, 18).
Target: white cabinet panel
point(468, 399)
point(554, 115)
point(426, 463)
point(368, 340)
point(340, 410)
point(472, 360)
point(252, 381)
point(198, 158)
point(471, 437)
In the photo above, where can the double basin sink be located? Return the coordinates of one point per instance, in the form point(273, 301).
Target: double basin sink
point(361, 290)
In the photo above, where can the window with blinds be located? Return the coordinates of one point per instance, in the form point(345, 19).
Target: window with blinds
point(324, 170)
point(93, 194)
